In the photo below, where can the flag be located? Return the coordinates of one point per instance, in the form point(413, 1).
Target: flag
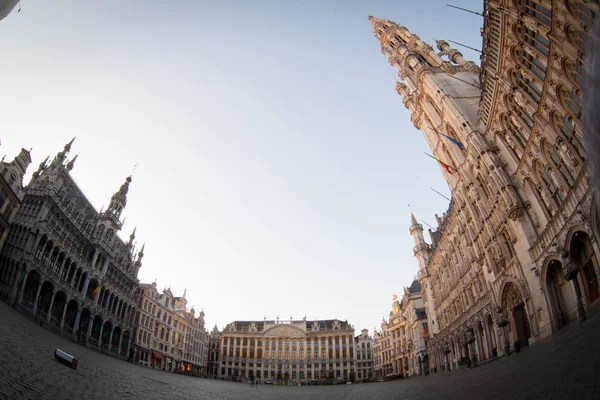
point(96, 291)
point(456, 142)
point(446, 166)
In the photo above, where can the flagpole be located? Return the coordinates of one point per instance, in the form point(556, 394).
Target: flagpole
point(440, 161)
point(428, 224)
point(456, 142)
point(440, 195)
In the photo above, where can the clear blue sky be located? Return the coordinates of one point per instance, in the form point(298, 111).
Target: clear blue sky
point(276, 160)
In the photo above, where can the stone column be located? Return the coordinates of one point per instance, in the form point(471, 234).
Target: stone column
point(50, 308)
point(128, 347)
point(100, 336)
point(62, 318)
point(76, 325)
point(62, 266)
point(37, 297)
point(104, 266)
point(333, 348)
point(94, 258)
point(17, 290)
point(85, 287)
point(32, 245)
point(488, 340)
point(89, 329)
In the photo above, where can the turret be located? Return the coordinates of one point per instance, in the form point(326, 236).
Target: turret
point(421, 249)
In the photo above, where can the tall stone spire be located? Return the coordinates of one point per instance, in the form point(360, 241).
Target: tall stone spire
point(61, 156)
point(118, 200)
point(421, 249)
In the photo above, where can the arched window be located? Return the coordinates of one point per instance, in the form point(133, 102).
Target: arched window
point(570, 101)
point(582, 12)
point(517, 138)
point(575, 72)
point(534, 38)
point(529, 87)
point(536, 10)
point(564, 125)
point(559, 165)
point(577, 38)
point(549, 188)
point(530, 62)
point(523, 114)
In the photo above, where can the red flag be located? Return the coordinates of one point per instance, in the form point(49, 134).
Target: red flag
point(446, 167)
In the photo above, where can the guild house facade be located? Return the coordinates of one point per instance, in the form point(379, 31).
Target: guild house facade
point(288, 352)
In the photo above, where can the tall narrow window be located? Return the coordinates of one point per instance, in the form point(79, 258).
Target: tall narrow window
point(517, 136)
point(565, 126)
point(539, 12)
point(535, 39)
point(530, 62)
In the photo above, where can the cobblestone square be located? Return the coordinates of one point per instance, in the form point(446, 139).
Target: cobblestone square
point(566, 367)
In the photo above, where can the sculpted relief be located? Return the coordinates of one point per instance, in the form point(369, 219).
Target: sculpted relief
point(284, 331)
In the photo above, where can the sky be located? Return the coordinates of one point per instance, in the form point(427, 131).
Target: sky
point(275, 160)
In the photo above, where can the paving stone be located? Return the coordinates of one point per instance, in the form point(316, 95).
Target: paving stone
point(567, 367)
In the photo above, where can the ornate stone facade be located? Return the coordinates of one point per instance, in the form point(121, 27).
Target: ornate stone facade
point(363, 350)
point(214, 352)
point(516, 252)
point(11, 193)
point(68, 268)
point(167, 335)
point(288, 352)
point(400, 345)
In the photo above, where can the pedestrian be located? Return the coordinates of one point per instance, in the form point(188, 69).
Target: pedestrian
point(252, 381)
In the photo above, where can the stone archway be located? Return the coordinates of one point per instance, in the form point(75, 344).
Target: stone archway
point(45, 298)
point(585, 261)
point(515, 307)
point(116, 337)
point(58, 306)
point(107, 331)
point(30, 291)
point(560, 297)
point(71, 314)
point(84, 322)
point(96, 328)
point(491, 335)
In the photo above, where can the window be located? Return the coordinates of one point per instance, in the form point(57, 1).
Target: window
point(531, 62)
point(570, 101)
point(536, 10)
point(564, 125)
point(535, 39)
point(517, 139)
point(575, 72)
point(529, 87)
point(550, 186)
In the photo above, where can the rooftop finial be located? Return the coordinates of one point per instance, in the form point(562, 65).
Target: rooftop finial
point(71, 163)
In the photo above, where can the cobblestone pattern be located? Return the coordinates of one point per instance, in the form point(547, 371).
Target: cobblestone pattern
point(567, 367)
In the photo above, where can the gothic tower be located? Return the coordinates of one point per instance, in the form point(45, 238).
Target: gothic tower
point(109, 222)
point(422, 252)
